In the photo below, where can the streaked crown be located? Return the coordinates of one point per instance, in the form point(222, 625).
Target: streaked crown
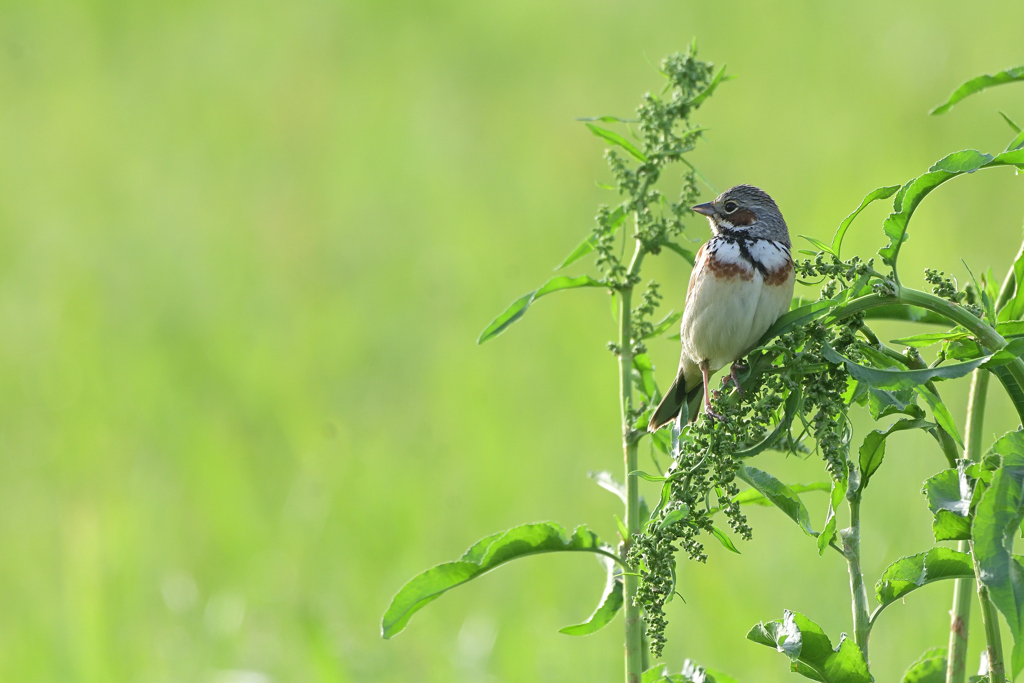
point(748, 211)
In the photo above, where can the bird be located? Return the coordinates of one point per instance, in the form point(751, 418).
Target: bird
point(741, 283)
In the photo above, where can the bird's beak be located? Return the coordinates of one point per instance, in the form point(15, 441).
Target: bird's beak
point(705, 209)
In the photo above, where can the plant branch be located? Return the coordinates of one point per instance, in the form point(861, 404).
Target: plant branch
point(633, 619)
point(858, 591)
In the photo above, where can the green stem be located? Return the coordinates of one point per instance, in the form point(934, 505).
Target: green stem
point(990, 619)
point(851, 551)
point(633, 618)
point(956, 669)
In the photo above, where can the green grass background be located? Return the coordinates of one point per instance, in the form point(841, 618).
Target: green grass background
point(245, 252)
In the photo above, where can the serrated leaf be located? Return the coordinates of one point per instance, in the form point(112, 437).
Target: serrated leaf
point(874, 195)
point(810, 651)
point(616, 139)
point(518, 308)
point(910, 573)
point(997, 517)
point(949, 499)
point(929, 668)
point(485, 555)
point(979, 83)
point(780, 495)
point(872, 450)
point(724, 539)
point(609, 605)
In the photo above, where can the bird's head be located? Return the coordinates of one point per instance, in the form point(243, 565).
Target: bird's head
point(745, 211)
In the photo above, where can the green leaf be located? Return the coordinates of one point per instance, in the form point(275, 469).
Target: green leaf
point(518, 307)
point(819, 245)
point(617, 139)
point(482, 557)
point(910, 573)
point(667, 322)
point(1010, 123)
point(834, 499)
point(905, 312)
point(755, 497)
point(610, 603)
point(1016, 143)
point(606, 481)
point(790, 410)
point(779, 495)
point(724, 539)
point(929, 668)
point(874, 195)
point(883, 403)
point(810, 651)
point(590, 243)
point(949, 499)
point(685, 253)
point(708, 91)
point(940, 413)
point(997, 518)
point(796, 318)
point(914, 192)
point(976, 85)
point(1014, 308)
point(895, 379)
point(872, 450)
point(920, 341)
point(645, 368)
point(677, 515)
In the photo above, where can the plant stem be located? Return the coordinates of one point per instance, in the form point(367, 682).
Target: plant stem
point(851, 551)
point(960, 616)
point(990, 619)
point(634, 621)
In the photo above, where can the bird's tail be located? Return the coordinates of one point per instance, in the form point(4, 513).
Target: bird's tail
point(677, 396)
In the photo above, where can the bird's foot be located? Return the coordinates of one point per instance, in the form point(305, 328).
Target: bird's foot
point(736, 367)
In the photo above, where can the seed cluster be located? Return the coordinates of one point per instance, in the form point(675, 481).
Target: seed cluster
point(701, 478)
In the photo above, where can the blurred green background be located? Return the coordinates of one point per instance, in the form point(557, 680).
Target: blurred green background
point(245, 252)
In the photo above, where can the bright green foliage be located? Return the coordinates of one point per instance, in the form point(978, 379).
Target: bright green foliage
point(607, 608)
point(996, 523)
point(910, 573)
point(517, 308)
point(482, 557)
point(810, 651)
point(779, 495)
point(979, 83)
point(929, 668)
point(949, 498)
point(874, 195)
point(872, 451)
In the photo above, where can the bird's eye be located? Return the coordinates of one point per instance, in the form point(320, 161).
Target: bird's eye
point(731, 206)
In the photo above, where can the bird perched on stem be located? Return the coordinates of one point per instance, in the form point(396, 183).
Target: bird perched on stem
point(742, 281)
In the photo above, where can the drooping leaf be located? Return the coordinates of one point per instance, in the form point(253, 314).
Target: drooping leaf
point(949, 498)
point(874, 195)
point(589, 244)
point(997, 518)
point(911, 195)
point(482, 557)
point(609, 605)
point(810, 651)
point(883, 403)
point(616, 139)
point(979, 83)
point(872, 450)
point(518, 307)
point(940, 413)
point(606, 481)
point(645, 368)
point(929, 668)
point(779, 495)
point(910, 573)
